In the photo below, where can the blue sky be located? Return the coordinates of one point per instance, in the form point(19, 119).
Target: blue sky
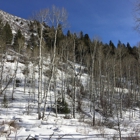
point(105, 19)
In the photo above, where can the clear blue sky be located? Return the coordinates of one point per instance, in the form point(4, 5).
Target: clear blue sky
point(106, 19)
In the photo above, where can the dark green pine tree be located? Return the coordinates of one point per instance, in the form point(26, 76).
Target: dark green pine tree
point(47, 35)
point(2, 41)
point(7, 34)
point(31, 27)
point(18, 36)
point(62, 106)
point(60, 35)
point(81, 35)
point(129, 48)
point(87, 42)
point(33, 42)
point(112, 47)
point(68, 33)
point(1, 30)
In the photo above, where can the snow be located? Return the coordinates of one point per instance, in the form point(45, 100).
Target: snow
point(13, 32)
point(16, 23)
point(52, 127)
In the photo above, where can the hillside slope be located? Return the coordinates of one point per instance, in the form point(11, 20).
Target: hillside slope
point(15, 23)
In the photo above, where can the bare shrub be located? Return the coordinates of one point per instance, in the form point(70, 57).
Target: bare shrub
point(102, 131)
point(13, 124)
point(5, 101)
point(7, 127)
point(131, 137)
point(81, 118)
point(67, 116)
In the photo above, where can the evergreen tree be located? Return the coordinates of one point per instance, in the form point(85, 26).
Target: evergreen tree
point(48, 35)
point(129, 48)
point(62, 106)
point(119, 45)
point(87, 42)
point(68, 33)
point(60, 37)
point(7, 34)
point(16, 38)
point(81, 35)
point(33, 42)
point(31, 27)
point(1, 30)
point(112, 47)
point(60, 32)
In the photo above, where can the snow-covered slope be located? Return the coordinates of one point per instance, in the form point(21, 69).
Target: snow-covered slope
point(19, 119)
point(15, 22)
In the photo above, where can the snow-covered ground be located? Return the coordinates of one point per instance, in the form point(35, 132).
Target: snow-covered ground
point(19, 119)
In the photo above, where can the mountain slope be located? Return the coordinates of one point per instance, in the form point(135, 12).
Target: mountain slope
point(15, 23)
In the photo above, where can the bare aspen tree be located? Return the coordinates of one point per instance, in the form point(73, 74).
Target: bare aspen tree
point(26, 71)
point(100, 59)
point(139, 75)
point(120, 51)
point(137, 15)
point(35, 54)
point(74, 79)
point(3, 54)
point(3, 59)
point(56, 16)
point(40, 75)
point(113, 81)
point(2, 45)
point(55, 91)
point(41, 16)
point(75, 75)
point(62, 48)
point(81, 88)
point(118, 123)
point(89, 80)
point(21, 45)
point(64, 52)
point(107, 91)
point(92, 96)
point(67, 44)
point(137, 27)
point(66, 57)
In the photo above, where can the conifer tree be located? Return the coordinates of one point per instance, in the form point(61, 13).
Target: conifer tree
point(16, 38)
point(68, 33)
point(7, 34)
point(33, 42)
point(1, 30)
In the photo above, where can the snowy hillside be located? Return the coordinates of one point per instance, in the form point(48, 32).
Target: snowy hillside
point(15, 22)
point(19, 119)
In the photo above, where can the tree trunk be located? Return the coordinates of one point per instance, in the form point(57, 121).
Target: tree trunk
point(40, 73)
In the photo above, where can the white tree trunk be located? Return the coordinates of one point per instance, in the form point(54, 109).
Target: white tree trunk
point(39, 76)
